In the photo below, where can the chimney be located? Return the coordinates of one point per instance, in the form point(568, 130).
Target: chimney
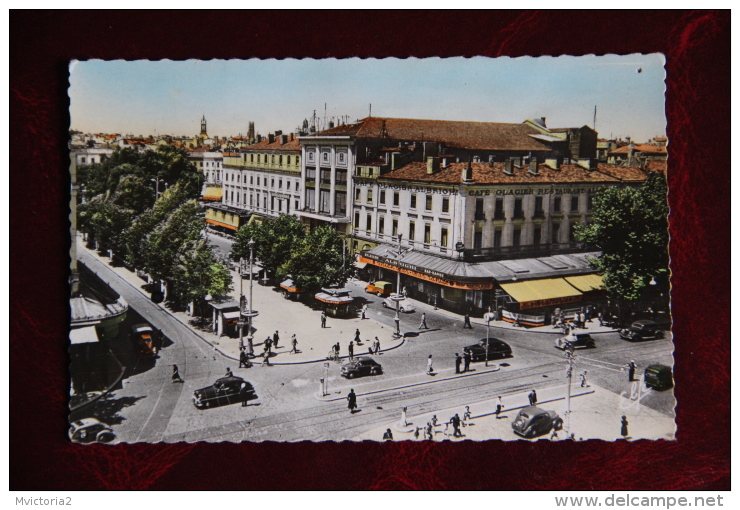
point(630, 152)
point(533, 166)
point(586, 163)
point(331, 124)
point(283, 139)
point(432, 165)
point(517, 162)
point(278, 132)
point(552, 163)
point(509, 166)
point(395, 160)
point(271, 138)
point(467, 173)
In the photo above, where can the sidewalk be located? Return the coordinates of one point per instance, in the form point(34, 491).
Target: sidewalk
point(591, 327)
point(595, 414)
point(285, 316)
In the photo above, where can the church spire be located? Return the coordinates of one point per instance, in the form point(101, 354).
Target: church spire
point(203, 126)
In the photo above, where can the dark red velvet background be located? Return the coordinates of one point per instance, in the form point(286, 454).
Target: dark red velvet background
point(697, 48)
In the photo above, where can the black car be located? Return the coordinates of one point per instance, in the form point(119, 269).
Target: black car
point(642, 330)
point(659, 377)
point(578, 341)
point(225, 391)
point(496, 349)
point(533, 421)
point(90, 430)
point(361, 366)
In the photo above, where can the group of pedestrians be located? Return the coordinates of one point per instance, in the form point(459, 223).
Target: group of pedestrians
point(464, 361)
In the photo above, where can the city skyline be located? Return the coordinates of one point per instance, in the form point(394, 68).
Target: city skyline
point(168, 97)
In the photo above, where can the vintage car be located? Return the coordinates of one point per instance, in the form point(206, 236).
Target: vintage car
point(533, 421)
point(659, 377)
point(577, 340)
point(404, 304)
point(225, 391)
point(361, 366)
point(642, 330)
point(380, 288)
point(90, 430)
point(142, 336)
point(496, 349)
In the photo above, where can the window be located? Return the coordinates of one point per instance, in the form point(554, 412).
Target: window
point(258, 180)
point(251, 201)
point(340, 203)
point(590, 203)
point(518, 211)
point(381, 198)
point(324, 201)
point(556, 204)
point(251, 179)
point(477, 239)
point(412, 230)
point(497, 238)
point(427, 233)
point(571, 232)
point(280, 184)
point(445, 204)
point(381, 226)
point(479, 214)
point(556, 233)
point(357, 220)
point(272, 203)
point(341, 177)
point(369, 196)
point(537, 235)
point(498, 211)
point(517, 236)
point(357, 194)
point(574, 203)
point(428, 202)
point(443, 237)
point(413, 201)
point(325, 157)
point(368, 222)
point(287, 185)
point(538, 211)
point(82, 160)
point(395, 199)
point(395, 228)
point(325, 176)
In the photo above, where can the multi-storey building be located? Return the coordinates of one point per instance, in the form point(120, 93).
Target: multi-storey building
point(262, 179)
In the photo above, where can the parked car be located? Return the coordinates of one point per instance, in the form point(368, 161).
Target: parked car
point(659, 377)
point(404, 304)
point(578, 340)
point(142, 336)
point(225, 391)
point(533, 421)
point(90, 430)
point(642, 330)
point(380, 288)
point(361, 366)
point(496, 349)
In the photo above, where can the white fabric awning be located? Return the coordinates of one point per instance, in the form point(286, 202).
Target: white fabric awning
point(86, 335)
point(231, 315)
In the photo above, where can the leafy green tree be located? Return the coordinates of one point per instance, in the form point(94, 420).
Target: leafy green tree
point(133, 194)
point(630, 226)
point(196, 273)
point(317, 260)
point(275, 242)
point(104, 221)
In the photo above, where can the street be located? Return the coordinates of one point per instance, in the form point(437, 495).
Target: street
point(288, 407)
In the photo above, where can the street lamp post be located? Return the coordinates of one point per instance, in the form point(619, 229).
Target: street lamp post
point(569, 354)
point(488, 317)
point(398, 297)
point(250, 313)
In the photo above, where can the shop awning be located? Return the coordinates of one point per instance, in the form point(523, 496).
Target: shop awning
point(538, 293)
point(214, 194)
point(360, 265)
point(86, 335)
point(290, 286)
point(231, 315)
point(586, 282)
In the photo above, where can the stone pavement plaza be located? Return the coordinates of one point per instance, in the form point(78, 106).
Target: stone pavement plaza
point(595, 414)
point(285, 316)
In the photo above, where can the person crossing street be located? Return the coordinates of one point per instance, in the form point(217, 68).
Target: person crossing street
point(423, 323)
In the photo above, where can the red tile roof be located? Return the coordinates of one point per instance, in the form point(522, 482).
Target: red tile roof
point(454, 134)
point(641, 147)
point(484, 173)
point(265, 145)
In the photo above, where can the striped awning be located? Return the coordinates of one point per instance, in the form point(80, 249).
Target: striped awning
point(586, 282)
point(213, 194)
point(538, 293)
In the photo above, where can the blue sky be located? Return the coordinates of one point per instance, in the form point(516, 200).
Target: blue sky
point(169, 97)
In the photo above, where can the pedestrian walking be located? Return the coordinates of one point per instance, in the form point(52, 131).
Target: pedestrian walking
point(244, 360)
point(466, 415)
point(430, 370)
point(357, 335)
point(228, 372)
point(352, 401)
point(430, 431)
point(268, 344)
point(467, 324)
point(532, 398)
point(467, 358)
point(404, 292)
point(323, 320)
point(631, 366)
point(376, 345)
point(583, 379)
point(624, 431)
point(458, 361)
point(601, 318)
point(266, 358)
point(423, 323)
point(416, 433)
point(434, 420)
point(387, 435)
point(176, 374)
point(293, 344)
point(363, 313)
point(456, 425)
point(275, 340)
point(351, 350)
point(499, 407)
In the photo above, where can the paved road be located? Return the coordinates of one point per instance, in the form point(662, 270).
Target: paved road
point(151, 408)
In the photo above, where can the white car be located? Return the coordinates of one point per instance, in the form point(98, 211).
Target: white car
point(404, 304)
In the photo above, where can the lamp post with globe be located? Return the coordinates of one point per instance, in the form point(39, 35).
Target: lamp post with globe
point(397, 297)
